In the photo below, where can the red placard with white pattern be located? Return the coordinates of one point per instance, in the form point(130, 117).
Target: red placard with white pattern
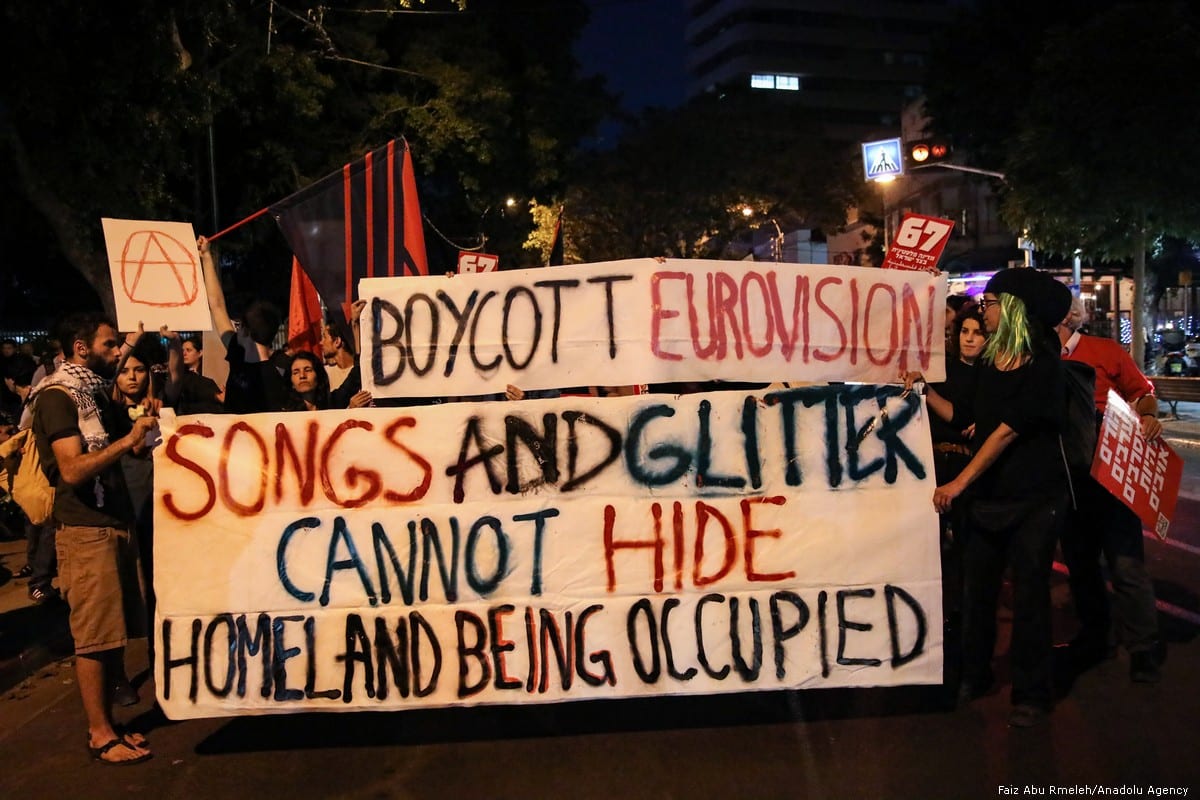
point(1143, 475)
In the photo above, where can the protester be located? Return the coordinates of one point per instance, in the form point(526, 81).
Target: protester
point(193, 354)
point(10, 404)
point(1100, 523)
point(51, 357)
point(187, 391)
point(951, 453)
point(951, 445)
point(40, 563)
point(350, 394)
point(1020, 490)
point(97, 552)
point(254, 383)
point(309, 384)
point(339, 358)
point(134, 395)
point(954, 304)
point(13, 522)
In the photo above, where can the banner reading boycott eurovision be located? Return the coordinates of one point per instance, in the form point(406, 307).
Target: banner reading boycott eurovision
point(545, 551)
point(642, 321)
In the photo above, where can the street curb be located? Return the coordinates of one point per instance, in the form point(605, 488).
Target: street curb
point(54, 647)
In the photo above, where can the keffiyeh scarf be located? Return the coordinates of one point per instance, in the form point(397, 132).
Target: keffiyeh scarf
point(84, 386)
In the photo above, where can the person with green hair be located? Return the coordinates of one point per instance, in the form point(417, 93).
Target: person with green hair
point(1019, 495)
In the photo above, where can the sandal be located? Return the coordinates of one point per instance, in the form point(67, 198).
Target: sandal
point(24, 572)
point(98, 753)
point(131, 737)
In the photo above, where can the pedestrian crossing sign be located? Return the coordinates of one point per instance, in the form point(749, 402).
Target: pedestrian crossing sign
point(883, 160)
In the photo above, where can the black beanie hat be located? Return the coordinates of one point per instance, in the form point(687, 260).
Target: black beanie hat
point(1046, 299)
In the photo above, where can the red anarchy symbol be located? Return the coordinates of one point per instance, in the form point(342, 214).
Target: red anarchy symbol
point(159, 251)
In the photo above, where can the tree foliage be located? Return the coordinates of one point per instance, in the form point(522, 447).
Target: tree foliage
point(140, 114)
point(1088, 106)
point(981, 70)
point(1090, 109)
point(1105, 146)
point(677, 184)
point(540, 241)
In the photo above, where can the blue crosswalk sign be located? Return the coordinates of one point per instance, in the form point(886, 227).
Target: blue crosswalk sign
point(883, 159)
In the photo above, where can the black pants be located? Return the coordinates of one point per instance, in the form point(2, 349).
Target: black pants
point(1103, 524)
point(39, 552)
point(1024, 540)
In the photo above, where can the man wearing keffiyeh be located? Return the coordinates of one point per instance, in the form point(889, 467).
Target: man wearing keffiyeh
point(99, 574)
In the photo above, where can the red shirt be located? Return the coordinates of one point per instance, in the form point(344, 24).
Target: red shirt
point(1114, 368)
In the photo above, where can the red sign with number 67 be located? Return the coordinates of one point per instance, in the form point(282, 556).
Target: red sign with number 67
point(469, 263)
point(918, 244)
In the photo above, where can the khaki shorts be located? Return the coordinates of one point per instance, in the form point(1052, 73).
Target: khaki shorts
point(100, 577)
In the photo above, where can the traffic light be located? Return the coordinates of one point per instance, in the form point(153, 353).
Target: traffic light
point(927, 152)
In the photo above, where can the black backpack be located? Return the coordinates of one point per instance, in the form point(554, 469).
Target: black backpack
point(1079, 432)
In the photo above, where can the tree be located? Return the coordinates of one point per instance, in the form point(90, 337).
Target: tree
point(208, 111)
point(678, 182)
point(540, 241)
point(981, 70)
point(1103, 156)
point(1085, 105)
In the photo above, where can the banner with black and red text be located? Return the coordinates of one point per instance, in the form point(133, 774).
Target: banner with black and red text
point(545, 551)
point(648, 321)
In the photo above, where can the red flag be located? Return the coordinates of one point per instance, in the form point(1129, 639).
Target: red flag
point(363, 221)
point(304, 313)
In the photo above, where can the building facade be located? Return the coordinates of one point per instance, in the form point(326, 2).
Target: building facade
point(853, 63)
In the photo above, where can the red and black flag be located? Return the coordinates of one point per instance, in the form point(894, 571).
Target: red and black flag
point(363, 221)
point(556, 245)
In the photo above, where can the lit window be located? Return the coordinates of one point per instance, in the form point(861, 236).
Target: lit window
point(789, 83)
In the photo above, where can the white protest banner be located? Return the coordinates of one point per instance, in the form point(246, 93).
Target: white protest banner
point(644, 321)
point(545, 551)
point(156, 275)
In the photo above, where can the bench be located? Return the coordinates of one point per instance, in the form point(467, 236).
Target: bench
point(1173, 390)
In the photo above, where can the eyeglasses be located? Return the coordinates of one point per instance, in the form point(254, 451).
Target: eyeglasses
point(986, 303)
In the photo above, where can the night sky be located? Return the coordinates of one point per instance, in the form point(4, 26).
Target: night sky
point(638, 46)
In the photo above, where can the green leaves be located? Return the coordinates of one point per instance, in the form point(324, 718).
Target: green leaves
point(151, 112)
point(678, 183)
point(1089, 108)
